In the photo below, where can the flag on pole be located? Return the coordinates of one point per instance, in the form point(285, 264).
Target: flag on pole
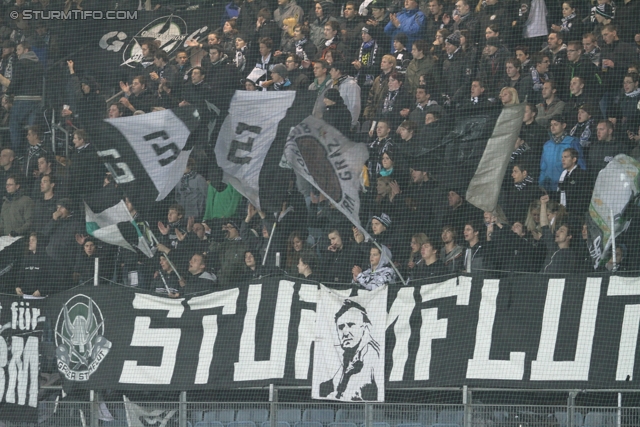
point(330, 162)
point(622, 174)
point(484, 188)
point(116, 226)
point(246, 137)
point(147, 154)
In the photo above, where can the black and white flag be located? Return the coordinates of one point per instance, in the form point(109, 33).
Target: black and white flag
point(246, 137)
point(137, 416)
point(147, 154)
point(330, 162)
point(348, 360)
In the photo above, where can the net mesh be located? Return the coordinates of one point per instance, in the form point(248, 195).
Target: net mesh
point(455, 140)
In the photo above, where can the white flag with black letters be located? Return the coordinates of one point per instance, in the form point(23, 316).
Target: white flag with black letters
point(330, 162)
point(246, 136)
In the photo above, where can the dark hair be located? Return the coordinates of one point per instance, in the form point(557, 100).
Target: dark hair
point(295, 59)
point(25, 45)
point(178, 208)
point(532, 107)
point(524, 50)
point(309, 257)
point(515, 62)
point(397, 76)
point(554, 85)
point(451, 228)
point(348, 305)
point(161, 54)
point(265, 13)
point(421, 45)
point(538, 58)
point(521, 165)
point(409, 126)
point(121, 108)
point(17, 179)
point(82, 134)
point(633, 76)
point(576, 44)
point(340, 66)
point(203, 256)
point(558, 34)
point(494, 27)
point(480, 82)
point(52, 178)
point(303, 29)
point(335, 25)
point(199, 69)
point(574, 153)
point(266, 41)
point(607, 123)
point(324, 64)
point(425, 88)
point(142, 79)
point(401, 38)
point(37, 130)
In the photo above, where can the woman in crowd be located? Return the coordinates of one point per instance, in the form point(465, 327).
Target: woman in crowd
point(437, 50)
point(252, 265)
point(288, 42)
point(379, 274)
point(417, 240)
point(295, 245)
point(509, 96)
point(532, 223)
point(85, 262)
point(571, 25)
point(229, 33)
point(396, 99)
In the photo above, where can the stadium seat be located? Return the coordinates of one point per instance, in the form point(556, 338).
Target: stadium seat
point(427, 418)
point(343, 424)
point(209, 424)
point(600, 419)
point(308, 424)
point(242, 424)
point(224, 416)
point(409, 425)
point(323, 416)
point(377, 424)
point(562, 418)
point(291, 416)
point(350, 415)
point(258, 415)
point(279, 424)
point(446, 425)
point(451, 417)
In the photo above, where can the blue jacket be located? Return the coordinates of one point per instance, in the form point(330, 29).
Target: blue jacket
point(551, 162)
point(412, 23)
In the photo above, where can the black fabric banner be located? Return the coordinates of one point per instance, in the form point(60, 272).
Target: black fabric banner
point(525, 331)
point(21, 323)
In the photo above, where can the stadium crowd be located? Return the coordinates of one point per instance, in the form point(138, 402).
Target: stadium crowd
point(398, 76)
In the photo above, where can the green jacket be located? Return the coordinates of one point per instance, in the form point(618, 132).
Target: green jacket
point(15, 215)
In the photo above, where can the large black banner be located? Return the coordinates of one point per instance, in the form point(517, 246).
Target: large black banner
point(525, 331)
point(21, 324)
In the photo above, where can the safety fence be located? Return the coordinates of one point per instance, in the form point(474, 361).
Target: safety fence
point(463, 407)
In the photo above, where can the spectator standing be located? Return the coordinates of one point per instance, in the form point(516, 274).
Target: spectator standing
point(409, 21)
point(17, 209)
point(551, 162)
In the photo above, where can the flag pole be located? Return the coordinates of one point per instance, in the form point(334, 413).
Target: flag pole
point(613, 240)
point(155, 239)
point(266, 252)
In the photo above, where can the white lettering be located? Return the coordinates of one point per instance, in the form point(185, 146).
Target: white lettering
point(626, 286)
point(399, 315)
point(480, 366)
point(544, 368)
point(306, 331)
point(247, 368)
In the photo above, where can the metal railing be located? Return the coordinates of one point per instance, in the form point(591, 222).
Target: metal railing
point(470, 408)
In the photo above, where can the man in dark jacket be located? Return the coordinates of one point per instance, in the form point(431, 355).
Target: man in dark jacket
point(616, 58)
point(86, 172)
point(137, 96)
point(26, 87)
point(339, 258)
point(560, 259)
point(574, 186)
point(60, 234)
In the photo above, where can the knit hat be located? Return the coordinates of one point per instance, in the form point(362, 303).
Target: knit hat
point(378, 4)
point(229, 221)
point(366, 29)
point(590, 109)
point(281, 70)
point(384, 219)
point(333, 95)
point(605, 10)
point(454, 39)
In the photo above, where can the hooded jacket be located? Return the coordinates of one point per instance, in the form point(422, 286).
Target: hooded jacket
point(383, 274)
point(412, 23)
point(27, 78)
point(16, 213)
